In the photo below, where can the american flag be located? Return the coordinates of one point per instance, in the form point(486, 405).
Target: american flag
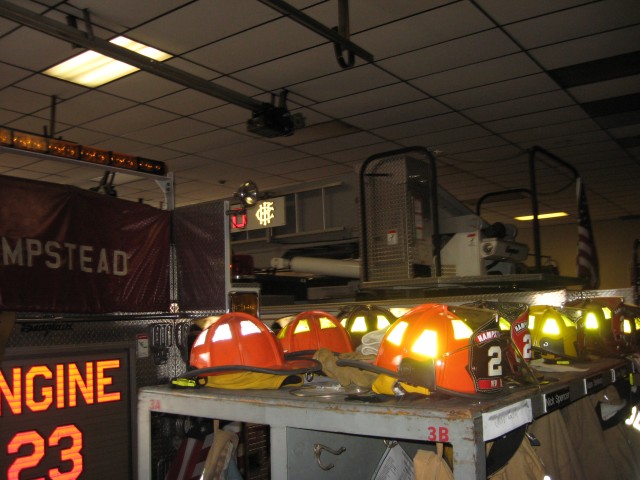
point(587, 259)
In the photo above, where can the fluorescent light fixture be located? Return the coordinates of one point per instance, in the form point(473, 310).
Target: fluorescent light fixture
point(542, 216)
point(93, 69)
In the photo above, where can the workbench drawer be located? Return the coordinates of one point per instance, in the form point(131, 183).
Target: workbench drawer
point(358, 460)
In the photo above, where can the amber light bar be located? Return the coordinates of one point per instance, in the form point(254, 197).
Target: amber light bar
point(61, 148)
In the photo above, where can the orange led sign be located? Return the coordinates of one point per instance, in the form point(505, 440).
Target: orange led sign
point(67, 413)
point(71, 150)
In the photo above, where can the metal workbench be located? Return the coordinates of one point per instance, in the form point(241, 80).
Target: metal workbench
point(464, 423)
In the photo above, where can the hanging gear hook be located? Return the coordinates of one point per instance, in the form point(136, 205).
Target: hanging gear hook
point(317, 450)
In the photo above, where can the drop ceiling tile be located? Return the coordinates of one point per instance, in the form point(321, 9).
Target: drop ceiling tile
point(575, 22)
point(10, 74)
point(242, 51)
point(47, 166)
point(186, 162)
point(140, 87)
point(517, 107)
point(265, 160)
point(216, 171)
point(232, 152)
point(290, 70)
point(555, 143)
point(191, 68)
point(365, 15)
point(515, 10)
point(370, 100)
point(589, 48)
point(153, 152)
point(422, 126)
point(274, 183)
point(455, 53)
point(607, 89)
point(338, 143)
point(222, 138)
point(297, 165)
point(500, 91)
point(558, 115)
point(224, 116)
point(51, 86)
point(346, 82)
point(202, 22)
point(167, 132)
point(186, 102)
point(570, 151)
point(39, 125)
point(477, 74)
point(6, 116)
point(239, 86)
point(312, 118)
point(321, 172)
point(205, 141)
point(129, 14)
point(32, 50)
point(317, 132)
point(89, 106)
point(6, 26)
point(446, 136)
point(357, 155)
point(467, 145)
point(625, 132)
point(17, 99)
point(431, 27)
point(552, 131)
point(130, 120)
point(495, 158)
point(82, 135)
point(12, 160)
point(26, 174)
point(122, 145)
point(398, 114)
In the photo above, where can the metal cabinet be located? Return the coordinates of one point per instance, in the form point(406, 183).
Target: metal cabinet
point(298, 423)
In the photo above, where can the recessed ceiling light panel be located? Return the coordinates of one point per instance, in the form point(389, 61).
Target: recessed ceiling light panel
point(93, 69)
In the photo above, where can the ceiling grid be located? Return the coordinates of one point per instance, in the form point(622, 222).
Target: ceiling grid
point(477, 81)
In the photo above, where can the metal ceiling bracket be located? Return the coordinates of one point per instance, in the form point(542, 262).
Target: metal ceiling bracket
point(69, 34)
point(166, 184)
point(311, 23)
point(343, 29)
point(88, 23)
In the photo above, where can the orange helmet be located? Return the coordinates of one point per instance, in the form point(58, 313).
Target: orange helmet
point(240, 342)
point(313, 330)
point(359, 320)
point(457, 349)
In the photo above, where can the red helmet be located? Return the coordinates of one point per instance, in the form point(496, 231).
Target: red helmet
point(239, 342)
point(313, 330)
point(513, 319)
point(601, 324)
point(459, 349)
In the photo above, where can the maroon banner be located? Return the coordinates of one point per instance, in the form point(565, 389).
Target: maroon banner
point(63, 249)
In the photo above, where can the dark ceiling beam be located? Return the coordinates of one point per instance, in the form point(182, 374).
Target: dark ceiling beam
point(312, 24)
point(67, 33)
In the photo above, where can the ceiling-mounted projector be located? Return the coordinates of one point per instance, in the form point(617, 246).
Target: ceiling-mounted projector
point(275, 121)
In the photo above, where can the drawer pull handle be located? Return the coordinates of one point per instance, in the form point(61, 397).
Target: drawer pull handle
point(318, 448)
